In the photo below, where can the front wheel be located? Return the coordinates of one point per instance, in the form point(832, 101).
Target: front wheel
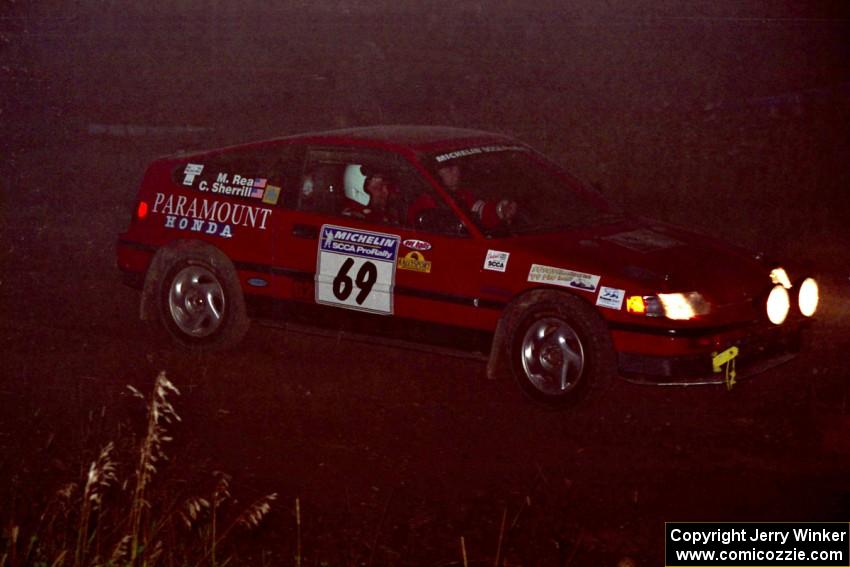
point(560, 351)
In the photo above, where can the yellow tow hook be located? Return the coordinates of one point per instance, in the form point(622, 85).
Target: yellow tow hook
point(725, 361)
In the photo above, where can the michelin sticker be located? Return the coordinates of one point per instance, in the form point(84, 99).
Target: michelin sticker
point(476, 151)
point(562, 277)
point(356, 269)
point(643, 240)
point(610, 297)
point(496, 261)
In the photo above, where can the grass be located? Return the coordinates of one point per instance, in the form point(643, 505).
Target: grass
point(116, 515)
point(109, 521)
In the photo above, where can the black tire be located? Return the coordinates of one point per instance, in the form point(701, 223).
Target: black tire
point(560, 351)
point(199, 301)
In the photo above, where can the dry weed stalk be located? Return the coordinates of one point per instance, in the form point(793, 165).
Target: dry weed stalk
point(137, 542)
point(248, 519)
point(463, 552)
point(298, 532)
point(254, 514)
point(193, 508)
point(121, 550)
point(11, 556)
point(160, 412)
point(101, 476)
point(219, 496)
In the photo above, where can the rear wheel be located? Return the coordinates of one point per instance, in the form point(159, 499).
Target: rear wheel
point(200, 301)
point(560, 351)
point(196, 301)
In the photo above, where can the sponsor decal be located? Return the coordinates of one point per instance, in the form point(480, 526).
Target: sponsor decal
point(415, 262)
point(415, 244)
point(234, 185)
point(214, 212)
point(359, 243)
point(192, 170)
point(199, 225)
point(643, 240)
point(496, 260)
point(562, 277)
point(356, 269)
point(476, 151)
point(257, 282)
point(272, 195)
point(610, 297)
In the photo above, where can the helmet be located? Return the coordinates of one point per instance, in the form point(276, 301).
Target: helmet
point(354, 180)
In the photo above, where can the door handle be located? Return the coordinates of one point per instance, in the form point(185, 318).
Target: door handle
point(307, 231)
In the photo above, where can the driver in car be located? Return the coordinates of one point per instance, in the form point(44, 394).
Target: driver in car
point(368, 195)
point(489, 214)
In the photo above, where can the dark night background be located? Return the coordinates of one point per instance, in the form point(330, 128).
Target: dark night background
point(730, 117)
point(717, 113)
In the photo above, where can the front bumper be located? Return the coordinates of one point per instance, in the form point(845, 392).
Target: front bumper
point(759, 349)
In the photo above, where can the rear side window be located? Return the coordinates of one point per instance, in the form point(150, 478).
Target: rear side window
point(338, 182)
point(262, 175)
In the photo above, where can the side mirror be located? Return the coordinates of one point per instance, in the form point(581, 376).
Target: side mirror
point(439, 220)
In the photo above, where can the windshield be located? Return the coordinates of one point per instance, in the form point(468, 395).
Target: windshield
point(509, 189)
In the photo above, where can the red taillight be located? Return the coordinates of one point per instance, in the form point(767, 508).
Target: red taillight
point(142, 210)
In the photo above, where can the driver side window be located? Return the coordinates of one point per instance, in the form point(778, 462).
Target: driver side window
point(377, 187)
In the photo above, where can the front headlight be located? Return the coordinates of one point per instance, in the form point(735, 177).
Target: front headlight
point(676, 306)
point(808, 296)
point(683, 306)
point(778, 304)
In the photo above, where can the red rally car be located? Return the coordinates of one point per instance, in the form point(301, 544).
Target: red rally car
point(460, 233)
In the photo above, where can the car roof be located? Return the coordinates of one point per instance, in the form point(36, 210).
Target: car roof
point(418, 138)
point(396, 137)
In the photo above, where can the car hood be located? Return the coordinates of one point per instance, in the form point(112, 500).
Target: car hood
point(654, 257)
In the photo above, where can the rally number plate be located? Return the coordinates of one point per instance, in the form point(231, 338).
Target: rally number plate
point(356, 269)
